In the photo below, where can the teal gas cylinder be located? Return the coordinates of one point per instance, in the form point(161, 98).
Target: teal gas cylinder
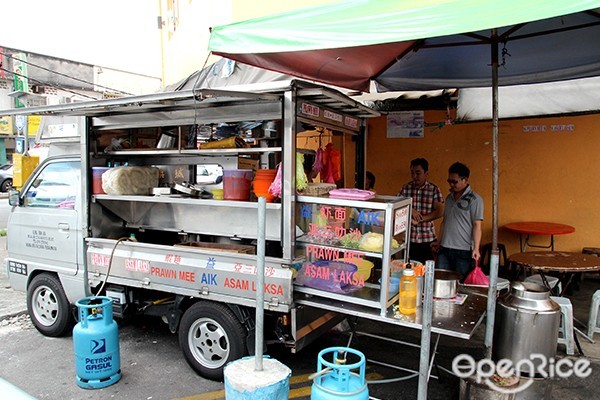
point(96, 344)
point(336, 379)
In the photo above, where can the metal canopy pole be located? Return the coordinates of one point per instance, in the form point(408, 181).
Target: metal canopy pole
point(260, 284)
point(424, 366)
point(491, 302)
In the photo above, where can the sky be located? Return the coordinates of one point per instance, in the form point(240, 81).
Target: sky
point(120, 34)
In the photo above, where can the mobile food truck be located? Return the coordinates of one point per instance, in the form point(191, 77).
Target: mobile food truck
point(124, 206)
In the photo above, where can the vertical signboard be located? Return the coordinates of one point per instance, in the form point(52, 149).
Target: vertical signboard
point(2, 63)
point(33, 125)
point(6, 125)
point(20, 76)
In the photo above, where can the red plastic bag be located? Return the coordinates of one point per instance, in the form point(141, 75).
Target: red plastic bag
point(332, 170)
point(477, 277)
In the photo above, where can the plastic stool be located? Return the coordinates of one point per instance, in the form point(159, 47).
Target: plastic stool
point(593, 318)
point(552, 281)
point(565, 334)
point(486, 251)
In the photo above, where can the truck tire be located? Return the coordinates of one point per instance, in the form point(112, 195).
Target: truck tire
point(210, 336)
point(48, 306)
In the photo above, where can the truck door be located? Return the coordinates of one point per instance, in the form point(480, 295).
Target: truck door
point(43, 232)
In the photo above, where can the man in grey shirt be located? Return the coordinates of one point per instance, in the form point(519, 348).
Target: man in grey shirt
point(460, 232)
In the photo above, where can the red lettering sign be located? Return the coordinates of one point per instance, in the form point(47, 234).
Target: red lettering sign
point(173, 259)
point(132, 264)
point(187, 276)
point(351, 122)
point(333, 116)
point(309, 109)
point(99, 260)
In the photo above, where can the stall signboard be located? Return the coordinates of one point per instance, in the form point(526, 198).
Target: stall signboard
point(400, 220)
point(61, 131)
point(21, 81)
point(543, 128)
point(406, 124)
point(19, 145)
point(6, 125)
point(20, 122)
point(33, 125)
point(318, 113)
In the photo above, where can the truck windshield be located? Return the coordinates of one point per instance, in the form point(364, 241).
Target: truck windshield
point(56, 186)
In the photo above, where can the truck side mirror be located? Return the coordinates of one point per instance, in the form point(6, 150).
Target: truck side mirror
point(13, 197)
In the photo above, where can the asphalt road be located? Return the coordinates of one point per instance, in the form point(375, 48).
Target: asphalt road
point(154, 368)
point(152, 365)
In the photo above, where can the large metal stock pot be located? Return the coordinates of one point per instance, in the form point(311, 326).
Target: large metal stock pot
point(527, 322)
point(445, 283)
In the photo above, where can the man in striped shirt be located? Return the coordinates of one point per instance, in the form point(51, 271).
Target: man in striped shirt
point(428, 205)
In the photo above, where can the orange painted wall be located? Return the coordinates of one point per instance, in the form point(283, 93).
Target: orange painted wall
point(543, 176)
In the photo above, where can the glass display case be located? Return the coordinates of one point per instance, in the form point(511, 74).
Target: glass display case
point(346, 248)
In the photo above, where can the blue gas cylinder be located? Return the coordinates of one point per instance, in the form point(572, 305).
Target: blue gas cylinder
point(96, 344)
point(338, 380)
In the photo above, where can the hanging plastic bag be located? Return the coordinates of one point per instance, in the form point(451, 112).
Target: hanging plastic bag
point(301, 178)
point(318, 164)
point(477, 277)
point(336, 163)
point(275, 187)
point(332, 165)
point(327, 172)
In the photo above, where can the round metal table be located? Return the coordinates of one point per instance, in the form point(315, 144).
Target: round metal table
point(556, 261)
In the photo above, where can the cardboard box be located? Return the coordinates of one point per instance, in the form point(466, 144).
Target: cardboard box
point(248, 163)
point(230, 248)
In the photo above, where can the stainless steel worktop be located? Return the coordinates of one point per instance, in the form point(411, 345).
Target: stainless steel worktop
point(449, 319)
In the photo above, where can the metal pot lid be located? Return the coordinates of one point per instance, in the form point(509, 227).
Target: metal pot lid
point(502, 283)
point(446, 275)
point(529, 290)
point(528, 297)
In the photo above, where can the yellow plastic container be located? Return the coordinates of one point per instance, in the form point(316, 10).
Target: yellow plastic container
point(217, 194)
point(23, 167)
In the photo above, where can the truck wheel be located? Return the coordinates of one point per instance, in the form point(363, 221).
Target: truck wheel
point(48, 306)
point(210, 336)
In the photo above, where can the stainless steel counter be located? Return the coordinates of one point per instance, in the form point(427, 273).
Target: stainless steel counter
point(449, 319)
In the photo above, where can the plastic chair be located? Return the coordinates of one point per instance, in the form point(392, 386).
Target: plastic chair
point(565, 334)
point(553, 281)
point(593, 317)
point(486, 254)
